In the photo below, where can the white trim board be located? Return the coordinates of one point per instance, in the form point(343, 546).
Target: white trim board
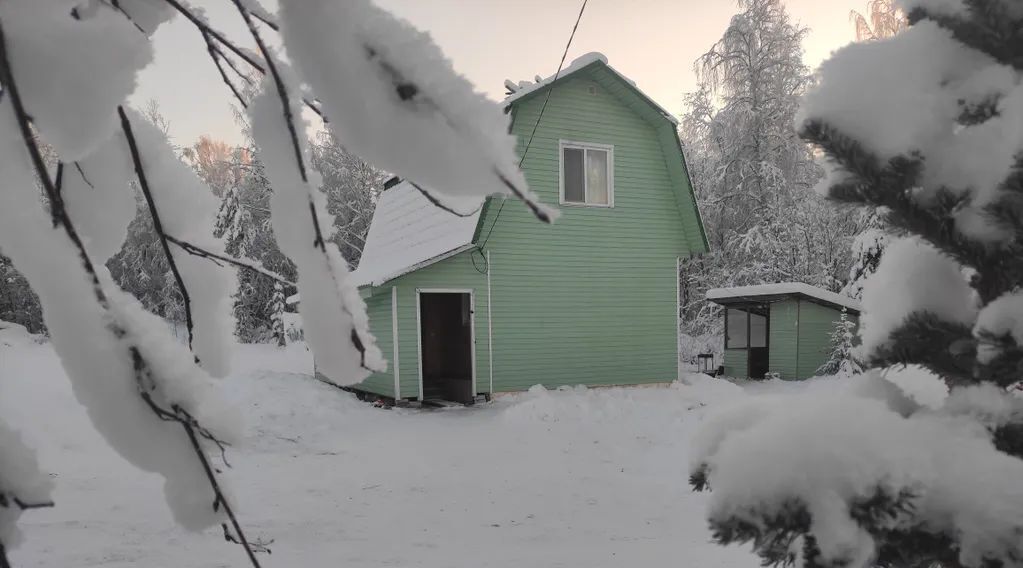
point(396, 363)
point(490, 325)
point(678, 317)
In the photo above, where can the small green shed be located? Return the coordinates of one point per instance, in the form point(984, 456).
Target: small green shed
point(493, 301)
point(782, 328)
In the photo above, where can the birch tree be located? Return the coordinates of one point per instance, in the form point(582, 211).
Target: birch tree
point(754, 176)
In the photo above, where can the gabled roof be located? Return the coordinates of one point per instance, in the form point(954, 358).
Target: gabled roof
point(779, 291)
point(596, 68)
point(523, 89)
point(408, 232)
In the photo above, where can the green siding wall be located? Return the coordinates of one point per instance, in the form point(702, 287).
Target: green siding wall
point(453, 272)
point(379, 310)
point(736, 363)
point(783, 339)
point(590, 299)
point(816, 324)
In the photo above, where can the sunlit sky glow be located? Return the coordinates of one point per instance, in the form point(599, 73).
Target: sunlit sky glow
point(653, 42)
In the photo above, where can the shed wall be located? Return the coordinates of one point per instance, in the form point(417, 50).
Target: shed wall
point(736, 363)
point(816, 324)
point(783, 340)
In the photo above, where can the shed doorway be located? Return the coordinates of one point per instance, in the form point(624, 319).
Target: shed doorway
point(447, 365)
point(747, 327)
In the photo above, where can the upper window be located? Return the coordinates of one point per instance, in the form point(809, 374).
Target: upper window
point(587, 174)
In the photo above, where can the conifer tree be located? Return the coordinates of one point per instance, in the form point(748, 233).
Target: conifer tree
point(841, 361)
point(927, 127)
point(277, 307)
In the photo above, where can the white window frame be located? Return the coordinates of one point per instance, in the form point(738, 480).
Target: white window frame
point(610, 149)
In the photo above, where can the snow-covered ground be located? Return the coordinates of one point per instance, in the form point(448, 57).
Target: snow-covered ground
point(572, 478)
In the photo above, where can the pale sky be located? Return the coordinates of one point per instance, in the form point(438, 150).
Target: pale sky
point(653, 42)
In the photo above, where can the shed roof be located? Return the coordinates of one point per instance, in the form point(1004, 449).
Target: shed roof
point(779, 291)
point(408, 232)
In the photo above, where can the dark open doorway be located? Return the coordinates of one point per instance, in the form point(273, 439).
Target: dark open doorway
point(747, 327)
point(446, 359)
point(759, 324)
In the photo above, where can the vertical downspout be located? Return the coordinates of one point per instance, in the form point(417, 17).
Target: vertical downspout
point(396, 364)
point(799, 315)
point(678, 317)
point(490, 327)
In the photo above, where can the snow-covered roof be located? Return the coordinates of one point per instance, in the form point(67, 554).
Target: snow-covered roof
point(408, 232)
point(524, 88)
point(721, 295)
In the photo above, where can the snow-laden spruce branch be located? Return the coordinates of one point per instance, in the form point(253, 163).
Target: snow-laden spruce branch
point(925, 128)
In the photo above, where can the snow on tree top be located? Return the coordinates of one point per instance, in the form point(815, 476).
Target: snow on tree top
point(524, 88)
point(409, 232)
point(783, 289)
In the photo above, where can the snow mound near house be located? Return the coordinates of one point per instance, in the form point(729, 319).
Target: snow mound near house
point(12, 334)
point(582, 405)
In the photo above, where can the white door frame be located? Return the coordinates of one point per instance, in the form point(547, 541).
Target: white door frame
point(472, 329)
point(396, 364)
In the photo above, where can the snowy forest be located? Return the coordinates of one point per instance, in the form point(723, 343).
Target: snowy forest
point(757, 180)
point(159, 407)
point(236, 177)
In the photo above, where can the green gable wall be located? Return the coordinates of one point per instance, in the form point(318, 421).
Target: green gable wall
point(783, 339)
point(590, 299)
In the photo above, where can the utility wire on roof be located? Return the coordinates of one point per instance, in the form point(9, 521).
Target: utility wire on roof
point(536, 124)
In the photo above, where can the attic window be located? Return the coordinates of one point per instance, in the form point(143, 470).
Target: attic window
point(587, 174)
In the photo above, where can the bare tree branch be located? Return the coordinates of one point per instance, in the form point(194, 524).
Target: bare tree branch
point(239, 262)
point(157, 223)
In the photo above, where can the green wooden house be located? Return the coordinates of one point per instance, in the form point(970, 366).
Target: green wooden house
point(497, 301)
point(781, 328)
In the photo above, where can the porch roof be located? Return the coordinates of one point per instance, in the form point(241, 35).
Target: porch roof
point(409, 232)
